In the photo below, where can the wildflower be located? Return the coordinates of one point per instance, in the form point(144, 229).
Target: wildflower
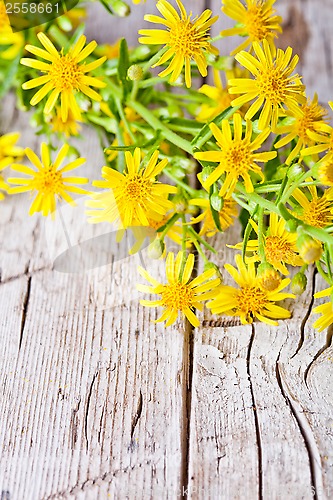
point(134, 197)
point(48, 181)
point(12, 42)
point(279, 245)
point(69, 127)
point(64, 75)
point(255, 20)
point(8, 149)
point(251, 300)
point(184, 38)
point(325, 144)
point(269, 278)
point(323, 171)
point(226, 214)
point(309, 249)
point(316, 211)
point(219, 95)
point(237, 157)
point(273, 85)
point(326, 310)
point(180, 294)
point(312, 117)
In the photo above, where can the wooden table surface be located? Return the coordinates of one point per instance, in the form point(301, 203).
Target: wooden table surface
point(98, 402)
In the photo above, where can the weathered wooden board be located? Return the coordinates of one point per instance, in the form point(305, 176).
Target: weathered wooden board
point(99, 402)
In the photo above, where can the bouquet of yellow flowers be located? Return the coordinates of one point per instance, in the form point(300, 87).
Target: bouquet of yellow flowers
point(189, 147)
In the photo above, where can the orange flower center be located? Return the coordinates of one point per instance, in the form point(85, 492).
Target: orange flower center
point(273, 84)
point(185, 39)
point(65, 73)
point(251, 300)
point(137, 188)
point(48, 181)
point(177, 296)
point(256, 22)
point(237, 158)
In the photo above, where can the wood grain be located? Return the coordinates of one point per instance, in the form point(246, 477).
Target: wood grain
point(99, 402)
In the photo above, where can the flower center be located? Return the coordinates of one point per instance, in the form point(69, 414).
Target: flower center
point(251, 300)
point(237, 158)
point(318, 213)
point(312, 113)
point(137, 188)
point(272, 84)
point(177, 296)
point(48, 181)
point(325, 173)
point(277, 249)
point(255, 22)
point(185, 38)
point(65, 73)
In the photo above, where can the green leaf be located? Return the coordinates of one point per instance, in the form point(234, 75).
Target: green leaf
point(123, 65)
point(9, 75)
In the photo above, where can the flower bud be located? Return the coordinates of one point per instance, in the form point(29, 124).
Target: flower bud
point(119, 7)
point(269, 278)
point(294, 172)
point(298, 283)
point(135, 73)
point(309, 249)
point(156, 249)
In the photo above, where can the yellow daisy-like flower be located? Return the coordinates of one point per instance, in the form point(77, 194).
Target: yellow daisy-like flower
point(325, 143)
point(219, 95)
point(311, 119)
point(208, 226)
point(273, 86)
point(280, 245)
point(326, 310)
point(64, 75)
point(317, 211)
point(9, 152)
point(69, 127)
point(185, 39)
point(180, 294)
point(47, 179)
point(237, 157)
point(134, 197)
point(256, 20)
point(251, 300)
point(13, 42)
point(323, 171)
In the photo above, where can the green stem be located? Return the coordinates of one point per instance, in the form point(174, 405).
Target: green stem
point(167, 226)
point(202, 241)
point(261, 246)
point(121, 154)
point(295, 184)
point(180, 183)
point(156, 124)
point(124, 119)
point(200, 251)
point(322, 272)
point(153, 60)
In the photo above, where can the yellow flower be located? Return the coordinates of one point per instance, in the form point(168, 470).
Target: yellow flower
point(64, 75)
point(13, 42)
point(325, 144)
point(251, 300)
point(323, 171)
point(280, 245)
point(132, 198)
point(8, 149)
point(311, 119)
point(219, 95)
point(317, 211)
point(69, 127)
point(48, 180)
point(226, 215)
point(273, 85)
point(180, 294)
point(326, 310)
point(255, 20)
point(237, 157)
point(185, 39)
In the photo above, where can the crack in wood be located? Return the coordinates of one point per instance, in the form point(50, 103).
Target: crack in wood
point(307, 315)
point(327, 345)
point(137, 415)
point(255, 414)
point(87, 409)
point(24, 310)
point(307, 435)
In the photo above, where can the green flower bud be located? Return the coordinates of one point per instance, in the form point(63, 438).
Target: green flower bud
point(294, 172)
point(135, 73)
point(269, 278)
point(309, 249)
point(298, 283)
point(119, 7)
point(156, 249)
point(291, 226)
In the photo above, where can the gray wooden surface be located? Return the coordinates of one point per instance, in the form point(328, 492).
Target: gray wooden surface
point(97, 402)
